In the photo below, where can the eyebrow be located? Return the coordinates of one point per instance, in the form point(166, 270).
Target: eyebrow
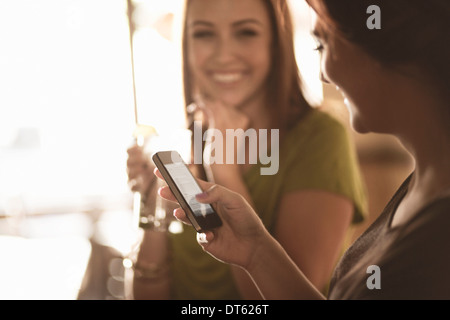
point(235, 24)
point(244, 21)
point(201, 22)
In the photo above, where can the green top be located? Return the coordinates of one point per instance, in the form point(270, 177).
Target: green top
point(316, 154)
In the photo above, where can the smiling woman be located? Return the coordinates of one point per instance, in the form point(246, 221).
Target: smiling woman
point(213, 44)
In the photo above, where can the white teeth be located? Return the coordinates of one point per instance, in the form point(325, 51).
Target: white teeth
point(227, 78)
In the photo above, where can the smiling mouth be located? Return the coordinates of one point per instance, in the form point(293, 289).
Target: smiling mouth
point(227, 78)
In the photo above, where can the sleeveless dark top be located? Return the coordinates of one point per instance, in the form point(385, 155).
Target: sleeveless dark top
point(413, 258)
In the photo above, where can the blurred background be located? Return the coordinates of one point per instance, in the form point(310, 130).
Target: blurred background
point(67, 117)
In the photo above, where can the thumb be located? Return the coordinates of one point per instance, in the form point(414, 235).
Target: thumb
point(221, 194)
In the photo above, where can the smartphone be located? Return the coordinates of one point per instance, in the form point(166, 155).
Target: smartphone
point(184, 187)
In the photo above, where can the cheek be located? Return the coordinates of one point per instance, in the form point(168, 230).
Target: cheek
point(260, 60)
point(197, 57)
point(266, 55)
point(265, 65)
point(328, 69)
point(198, 54)
point(339, 74)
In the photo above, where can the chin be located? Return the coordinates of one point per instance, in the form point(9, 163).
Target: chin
point(361, 130)
point(359, 126)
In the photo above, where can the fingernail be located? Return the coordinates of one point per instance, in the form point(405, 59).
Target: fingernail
point(202, 238)
point(202, 195)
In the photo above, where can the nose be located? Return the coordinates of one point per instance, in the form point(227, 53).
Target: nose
point(225, 50)
point(323, 78)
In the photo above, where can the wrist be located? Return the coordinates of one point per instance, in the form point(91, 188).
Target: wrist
point(149, 271)
point(152, 260)
point(264, 251)
point(153, 246)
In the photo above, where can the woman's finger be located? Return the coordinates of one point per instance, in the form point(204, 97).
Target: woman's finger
point(134, 149)
point(205, 238)
point(158, 174)
point(216, 193)
point(204, 185)
point(165, 193)
point(179, 214)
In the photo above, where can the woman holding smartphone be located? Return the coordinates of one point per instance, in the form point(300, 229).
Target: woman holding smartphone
point(395, 80)
point(240, 72)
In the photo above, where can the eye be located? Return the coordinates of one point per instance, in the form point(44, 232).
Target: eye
point(247, 33)
point(319, 47)
point(204, 34)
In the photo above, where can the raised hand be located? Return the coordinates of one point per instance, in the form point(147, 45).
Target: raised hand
point(139, 169)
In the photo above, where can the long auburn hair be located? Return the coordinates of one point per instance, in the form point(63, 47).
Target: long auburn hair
point(284, 86)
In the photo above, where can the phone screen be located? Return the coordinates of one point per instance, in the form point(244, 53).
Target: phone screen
point(188, 187)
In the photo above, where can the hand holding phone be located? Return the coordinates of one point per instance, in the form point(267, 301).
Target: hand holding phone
point(184, 187)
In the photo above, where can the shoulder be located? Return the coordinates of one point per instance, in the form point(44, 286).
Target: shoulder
point(429, 226)
point(319, 145)
point(317, 137)
point(412, 260)
point(417, 264)
point(319, 155)
point(319, 124)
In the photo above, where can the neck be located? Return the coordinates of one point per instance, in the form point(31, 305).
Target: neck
point(418, 121)
point(430, 146)
point(256, 109)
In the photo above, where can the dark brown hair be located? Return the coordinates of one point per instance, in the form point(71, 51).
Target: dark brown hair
point(414, 33)
point(284, 86)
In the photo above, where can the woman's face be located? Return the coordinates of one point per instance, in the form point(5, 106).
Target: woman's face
point(360, 79)
point(229, 53)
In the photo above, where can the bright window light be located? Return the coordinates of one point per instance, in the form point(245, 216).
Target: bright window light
point(66, 103)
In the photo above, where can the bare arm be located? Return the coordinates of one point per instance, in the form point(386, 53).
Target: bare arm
point(277, 276)
point(149, 276)
point(149, 279)
point(311, 226)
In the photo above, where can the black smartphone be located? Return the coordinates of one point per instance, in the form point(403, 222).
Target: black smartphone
point(184, 187)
